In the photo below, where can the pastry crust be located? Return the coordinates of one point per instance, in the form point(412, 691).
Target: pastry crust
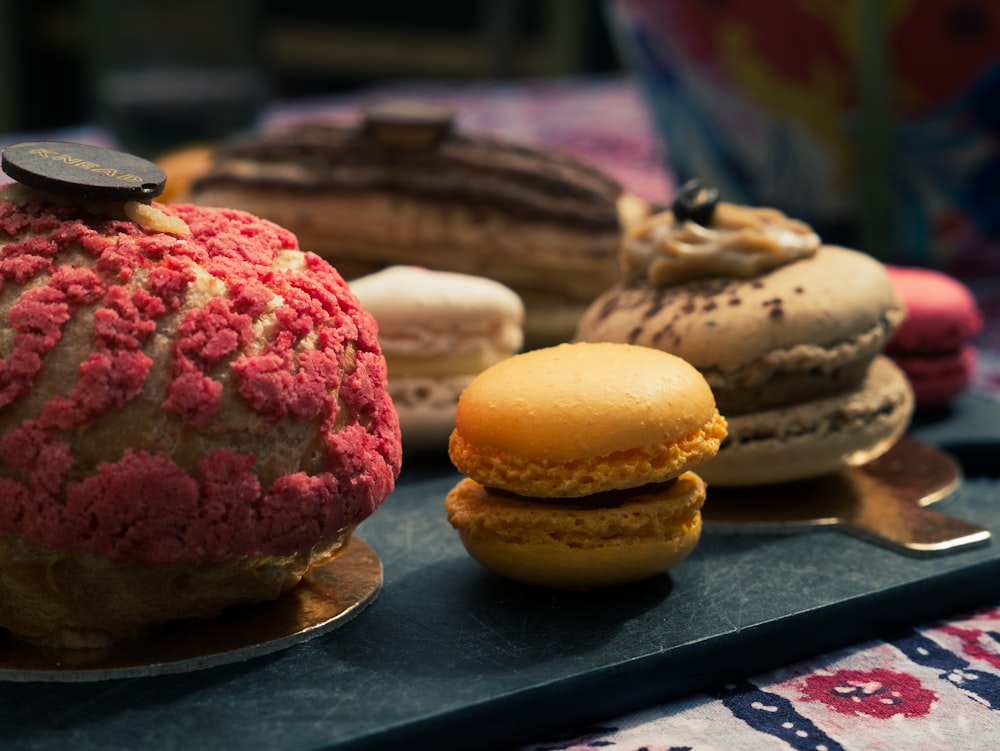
point(79, 600)
point(206, 401)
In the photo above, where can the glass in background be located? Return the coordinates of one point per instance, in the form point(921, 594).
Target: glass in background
point(877, 122)
point(167, 74)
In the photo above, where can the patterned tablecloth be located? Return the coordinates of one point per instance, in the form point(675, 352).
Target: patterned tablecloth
point(935, 686)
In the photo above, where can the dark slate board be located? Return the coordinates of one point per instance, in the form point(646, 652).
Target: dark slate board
point(450, 657)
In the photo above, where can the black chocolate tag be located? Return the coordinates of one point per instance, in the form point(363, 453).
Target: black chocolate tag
point(77, 169)
point(406, 124)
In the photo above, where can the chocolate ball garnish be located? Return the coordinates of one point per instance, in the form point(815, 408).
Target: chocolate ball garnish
point(695, 202)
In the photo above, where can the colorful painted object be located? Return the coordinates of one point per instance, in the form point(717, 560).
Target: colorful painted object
point(875, 122)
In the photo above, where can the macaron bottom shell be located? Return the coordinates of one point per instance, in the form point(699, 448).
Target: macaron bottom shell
point(938, 378)
point(935, 345)
point(817, 437)
point(576, 546)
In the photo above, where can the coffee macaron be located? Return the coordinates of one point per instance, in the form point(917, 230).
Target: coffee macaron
point(789, 333)
point(437, 331)
point(935, 344)
point(578, 460)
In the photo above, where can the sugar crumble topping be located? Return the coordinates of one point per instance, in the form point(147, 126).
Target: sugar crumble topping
point(225, 330)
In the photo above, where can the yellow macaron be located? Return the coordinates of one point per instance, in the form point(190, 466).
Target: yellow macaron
point(578, 459)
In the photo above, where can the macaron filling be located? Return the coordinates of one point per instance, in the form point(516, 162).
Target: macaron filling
point(603, 499)
point(530, 476)
point(662, 514)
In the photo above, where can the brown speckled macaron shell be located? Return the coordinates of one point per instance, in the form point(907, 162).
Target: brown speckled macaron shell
point(795, 333)
point(817, 437)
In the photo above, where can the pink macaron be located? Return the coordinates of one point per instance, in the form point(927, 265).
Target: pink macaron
point(934, 346)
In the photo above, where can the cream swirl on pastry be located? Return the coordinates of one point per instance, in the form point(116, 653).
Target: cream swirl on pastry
point(725, 240)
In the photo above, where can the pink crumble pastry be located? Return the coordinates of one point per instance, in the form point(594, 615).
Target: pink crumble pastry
point(180, 400)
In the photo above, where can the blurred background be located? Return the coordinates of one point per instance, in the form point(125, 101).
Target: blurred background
point(49, 48)
point(876, 121)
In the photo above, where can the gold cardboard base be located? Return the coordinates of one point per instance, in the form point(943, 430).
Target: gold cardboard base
point(883, 501)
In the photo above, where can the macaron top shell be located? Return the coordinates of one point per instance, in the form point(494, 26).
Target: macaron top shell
point(584, 400)
point(839, 301)
point(427, 313)
point(577, 419)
